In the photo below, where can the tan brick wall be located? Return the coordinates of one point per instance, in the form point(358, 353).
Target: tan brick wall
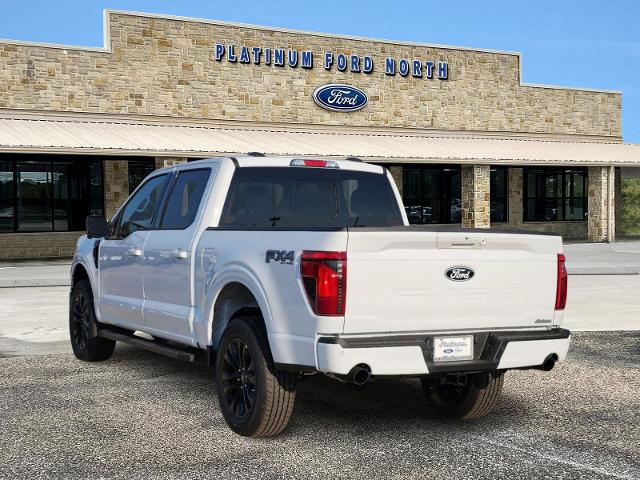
point(14, 246)
point(475, 195)
point(116, 185)
point(167, 67)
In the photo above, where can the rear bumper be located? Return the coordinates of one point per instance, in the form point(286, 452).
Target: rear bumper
point(412, 354)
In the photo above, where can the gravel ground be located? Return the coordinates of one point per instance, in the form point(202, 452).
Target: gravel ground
point(140, 415)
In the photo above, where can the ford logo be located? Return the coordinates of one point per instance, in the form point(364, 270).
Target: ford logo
point(448, 350)
point(459, 274)
point(340, 98)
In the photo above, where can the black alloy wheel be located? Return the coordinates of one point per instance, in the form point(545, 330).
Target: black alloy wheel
point(80, 326)
point(256, 398)
point(239, 378)
point(83, 326)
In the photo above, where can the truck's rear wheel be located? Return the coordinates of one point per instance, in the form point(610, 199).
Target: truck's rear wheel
point(82, 321)
point(473, 400)
point(256, 399)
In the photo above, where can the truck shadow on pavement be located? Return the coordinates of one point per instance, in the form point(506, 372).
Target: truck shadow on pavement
point(375, 406)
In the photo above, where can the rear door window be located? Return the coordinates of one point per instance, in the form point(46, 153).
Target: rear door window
point(293, 197)
point(185, 199)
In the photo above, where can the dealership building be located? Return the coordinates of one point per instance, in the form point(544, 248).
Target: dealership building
point(466, 140)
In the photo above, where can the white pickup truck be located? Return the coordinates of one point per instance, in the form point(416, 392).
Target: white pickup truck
point(277, 268)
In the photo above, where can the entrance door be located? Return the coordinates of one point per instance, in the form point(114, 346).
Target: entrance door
point(167, 267)
point(121, 256)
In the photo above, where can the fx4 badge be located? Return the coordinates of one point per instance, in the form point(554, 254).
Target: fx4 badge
point(459, 274)
point(282, 256)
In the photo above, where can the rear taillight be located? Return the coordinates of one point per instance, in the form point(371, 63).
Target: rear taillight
point(561, 286)
point(324, 275)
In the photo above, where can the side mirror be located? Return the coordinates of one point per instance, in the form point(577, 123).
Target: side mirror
point(96, 226)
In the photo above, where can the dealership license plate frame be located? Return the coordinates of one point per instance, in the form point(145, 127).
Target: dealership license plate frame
point(461, 351)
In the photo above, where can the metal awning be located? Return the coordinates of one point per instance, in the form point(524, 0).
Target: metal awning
point(94, 136)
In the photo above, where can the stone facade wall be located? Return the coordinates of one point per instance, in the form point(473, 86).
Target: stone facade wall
point(167, 67)
point(116, 185)
point(475, 183)
point(396, 173)
point(162, 162)
point(38, 245)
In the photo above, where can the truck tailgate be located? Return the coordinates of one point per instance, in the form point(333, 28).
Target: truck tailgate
point(397, 281)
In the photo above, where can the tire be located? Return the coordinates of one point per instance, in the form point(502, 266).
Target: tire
point(256, 399)
point(474, 400)
point(82, 324)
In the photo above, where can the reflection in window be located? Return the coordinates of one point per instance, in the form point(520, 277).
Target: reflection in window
point(184, 200)
point(6, 197)
point(138, 171)
point(40, 193)
point(34, 197)
point(139, 211)
point(498, 189)
point(555, 194)
point(432, 194)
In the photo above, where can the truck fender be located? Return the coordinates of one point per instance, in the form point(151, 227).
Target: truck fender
point(233, 273)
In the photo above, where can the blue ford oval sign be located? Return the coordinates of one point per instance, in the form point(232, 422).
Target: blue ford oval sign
point(340, 98)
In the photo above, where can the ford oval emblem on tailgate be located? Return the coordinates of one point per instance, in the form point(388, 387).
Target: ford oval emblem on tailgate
point(340, 98)
point(459, 274)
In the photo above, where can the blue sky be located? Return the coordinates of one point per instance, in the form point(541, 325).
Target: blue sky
point(584, 43)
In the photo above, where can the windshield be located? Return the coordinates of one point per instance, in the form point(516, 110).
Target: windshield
point(309, 197)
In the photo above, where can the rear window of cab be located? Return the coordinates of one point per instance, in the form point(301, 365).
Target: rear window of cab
point(300, 197)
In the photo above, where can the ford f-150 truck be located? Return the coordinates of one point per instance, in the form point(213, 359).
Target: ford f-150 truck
point(274, 268)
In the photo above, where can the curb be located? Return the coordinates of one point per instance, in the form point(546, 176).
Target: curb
point(603, 271)
point(45, 282)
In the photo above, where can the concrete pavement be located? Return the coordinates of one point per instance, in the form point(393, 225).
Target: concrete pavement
point(143, 416)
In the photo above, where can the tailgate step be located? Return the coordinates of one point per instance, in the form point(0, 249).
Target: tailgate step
point(186, 354)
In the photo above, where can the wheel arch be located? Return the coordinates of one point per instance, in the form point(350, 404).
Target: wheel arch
point(78, 273)
point(235, 299)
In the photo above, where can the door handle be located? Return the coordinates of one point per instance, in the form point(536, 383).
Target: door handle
point(135, 252)
point(181, 254)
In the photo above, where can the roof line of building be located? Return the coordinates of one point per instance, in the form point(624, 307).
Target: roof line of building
point(244, 125)
point(106, 48)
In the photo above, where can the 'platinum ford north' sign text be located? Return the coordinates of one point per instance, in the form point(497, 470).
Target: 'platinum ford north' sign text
point(340, 98)
point(280, 57)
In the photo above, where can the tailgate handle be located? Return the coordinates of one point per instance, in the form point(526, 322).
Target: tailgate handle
point(463, 243)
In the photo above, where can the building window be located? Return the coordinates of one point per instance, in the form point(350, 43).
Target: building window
point(40, 193)
point(138, 170)
point(498, 189)
point(431, 194)
point(553, 194)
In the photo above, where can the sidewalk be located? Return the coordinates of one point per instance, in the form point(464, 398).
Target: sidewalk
point(622, 258)
point(36, 273)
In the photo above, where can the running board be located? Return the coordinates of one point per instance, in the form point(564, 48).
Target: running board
point(185, 354)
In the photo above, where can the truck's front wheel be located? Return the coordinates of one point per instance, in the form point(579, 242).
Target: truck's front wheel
point(256, 399)
point(82, 321)
point(475, 399)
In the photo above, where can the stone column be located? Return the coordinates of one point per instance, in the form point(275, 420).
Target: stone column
point(116, 185)
point(515, 200)
point(475, 196)
point(169, 161)
point(396, 173)
point(598, 205)
point(618, 200)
